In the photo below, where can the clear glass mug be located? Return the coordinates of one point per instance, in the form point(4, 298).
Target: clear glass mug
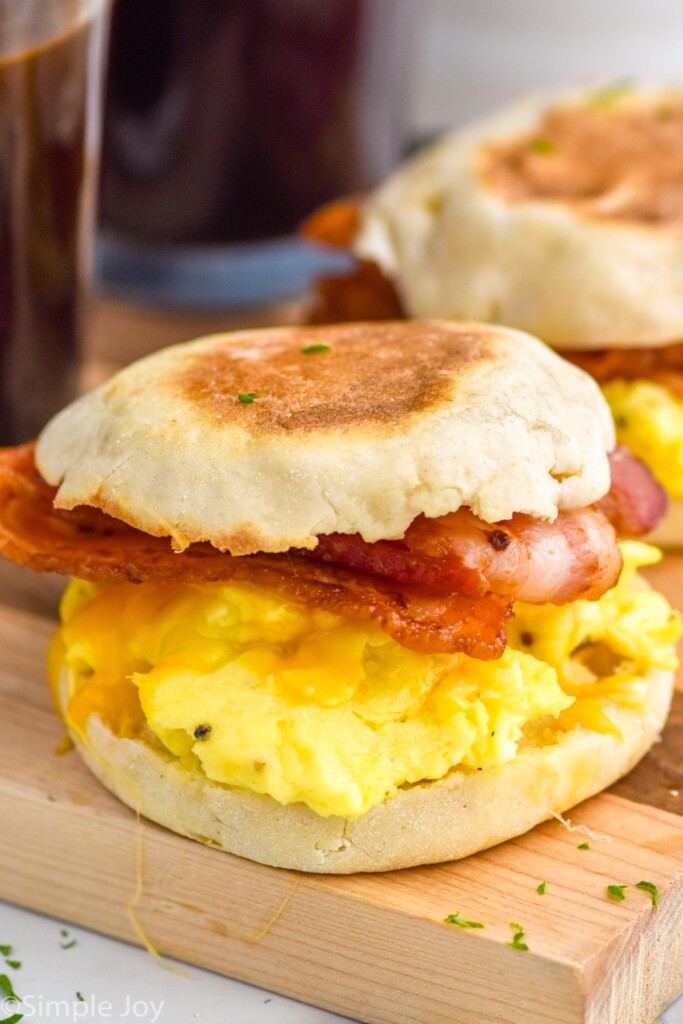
point(227, 123)
point(51, 57)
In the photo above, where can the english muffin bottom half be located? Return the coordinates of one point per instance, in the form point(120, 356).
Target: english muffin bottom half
point(348, 598)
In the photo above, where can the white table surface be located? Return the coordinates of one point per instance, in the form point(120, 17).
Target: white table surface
point(119, 982)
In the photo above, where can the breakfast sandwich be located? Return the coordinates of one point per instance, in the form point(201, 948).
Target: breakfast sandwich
point(348, 598)
point(562, 216)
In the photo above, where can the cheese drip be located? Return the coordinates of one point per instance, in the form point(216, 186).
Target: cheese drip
point(290, 701)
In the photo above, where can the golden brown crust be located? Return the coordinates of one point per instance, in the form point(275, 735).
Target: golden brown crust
point(388, 422)
point(361, 378)
point(611, 160)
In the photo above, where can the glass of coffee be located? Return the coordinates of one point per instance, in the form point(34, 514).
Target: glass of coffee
point(51, 54)
point(227, 123)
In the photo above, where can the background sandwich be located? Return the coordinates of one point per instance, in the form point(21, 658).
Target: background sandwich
point(348, 598)
point(561, 215)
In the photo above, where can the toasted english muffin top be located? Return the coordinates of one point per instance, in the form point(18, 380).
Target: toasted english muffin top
point(617, 155)
point(561, 215)
point(263, 440)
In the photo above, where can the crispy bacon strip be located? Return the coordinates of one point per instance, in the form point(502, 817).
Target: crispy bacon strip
point(574, 557)
point(636, 501)
point(87, 543)
point(362, 294)
point(663, 365)
point(446, 586)
point(335, 224)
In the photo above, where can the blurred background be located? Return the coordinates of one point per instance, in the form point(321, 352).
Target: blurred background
point(228, 121)
point(472, 55)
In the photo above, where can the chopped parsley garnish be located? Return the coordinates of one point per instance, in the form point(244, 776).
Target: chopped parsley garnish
point(79, 996)
point(14, 964)
point(653, 891)
point(542, 146)
point(65, 935)
point(616, 892)
point(6, 986)
point(14, 1019)
point(611, 94)
point(313, 350)
point(248, 397)
point(461, 922)
point(6, 950)
point(517, 938)
point(69, 945)
point(540, 889)
point(583, 846)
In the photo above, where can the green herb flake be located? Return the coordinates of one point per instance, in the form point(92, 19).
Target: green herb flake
point(611, 94)
point(79, 996)
point(653, 891)
point(6, 986)
point(583, 846)
point(14, 964)
point(542, 146)
point(313, 350)
point(14, 1019)
point(540, 889)
point(6, 950)
point(461, 922)
point(65, 935)
point(248, 397)
point(517, 938)
point(616, 892)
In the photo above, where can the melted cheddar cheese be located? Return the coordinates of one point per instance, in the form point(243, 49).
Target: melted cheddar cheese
point(280, 698)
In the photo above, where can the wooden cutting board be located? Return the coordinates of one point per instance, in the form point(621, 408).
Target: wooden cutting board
point(371, 946)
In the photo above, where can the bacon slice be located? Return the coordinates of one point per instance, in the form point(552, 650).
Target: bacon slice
point(663, 364)
point(87, 543)
point(334, 224)
point(362, 294)
point(636, 501)
point(576, 556)
point(446, 586)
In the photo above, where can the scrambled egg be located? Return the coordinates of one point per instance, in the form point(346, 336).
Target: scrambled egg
point(649, 419)
point(284, 699)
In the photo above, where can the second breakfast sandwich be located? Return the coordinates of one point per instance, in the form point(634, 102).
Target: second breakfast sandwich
point(561, 215)
point(348, 598)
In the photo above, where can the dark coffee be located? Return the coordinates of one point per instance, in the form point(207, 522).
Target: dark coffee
point(47, 182)
point(231, 120)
